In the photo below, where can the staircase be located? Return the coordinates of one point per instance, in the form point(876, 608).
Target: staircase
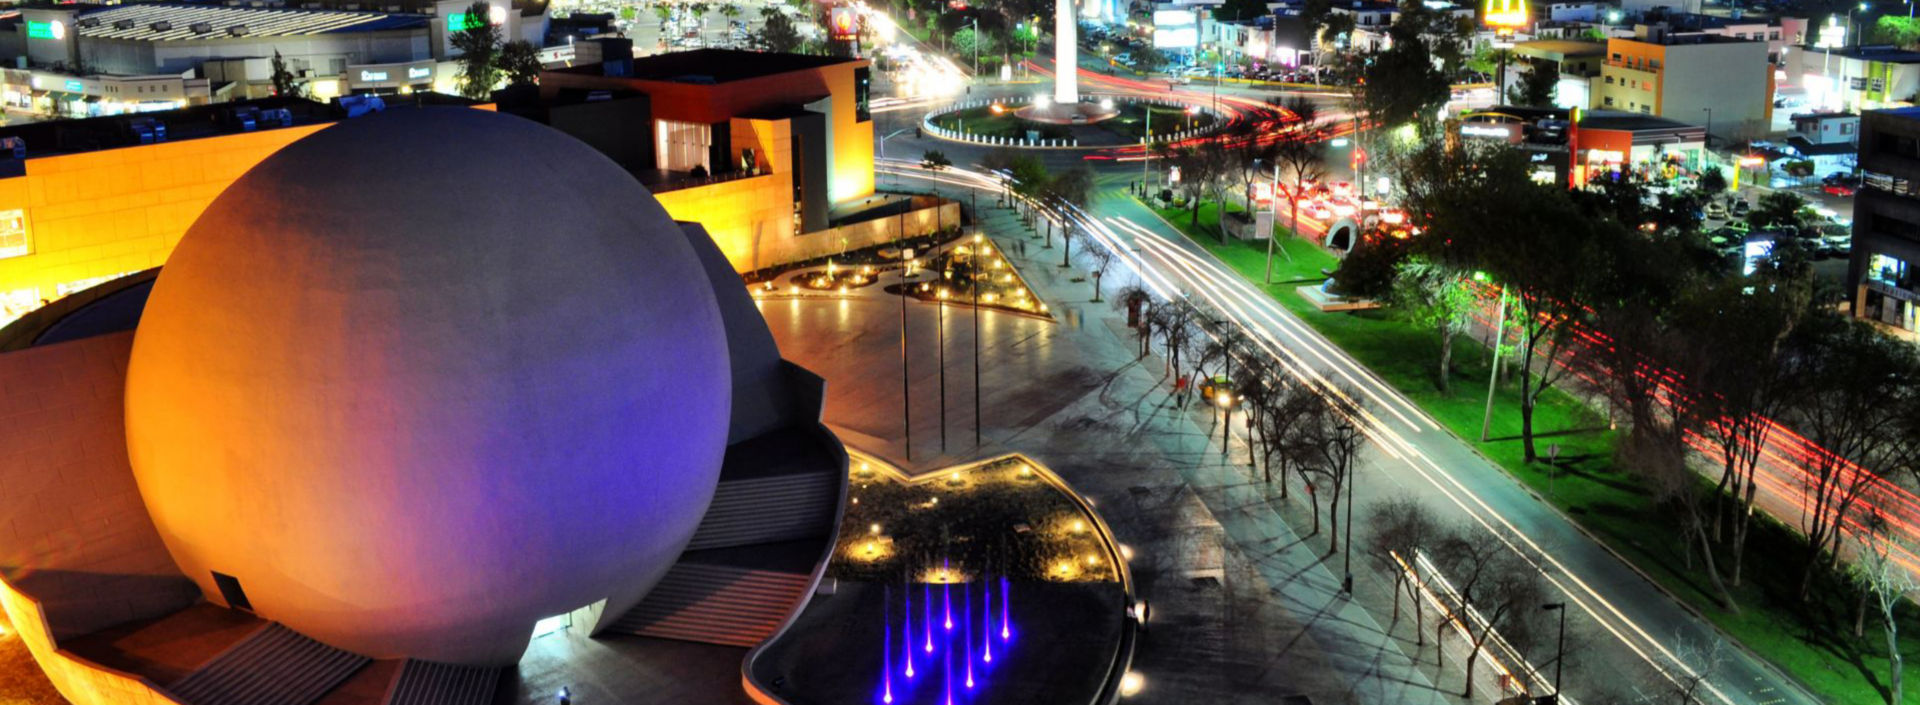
point(716, 604)
point(429, 683)
point(273, 666)
point(768, 509)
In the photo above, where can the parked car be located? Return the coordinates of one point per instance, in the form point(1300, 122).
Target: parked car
point(1716, 210)
point(1835, 240)
point(1741, 208)
point(1837, 189)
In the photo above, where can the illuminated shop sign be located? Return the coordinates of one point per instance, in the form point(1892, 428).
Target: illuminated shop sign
point(419, 72)
point(46, 30)
point(76, 86)
point(1505, 14)
point(1497, 131)
point(366, 75)
point(462, 21)
point(844, 22)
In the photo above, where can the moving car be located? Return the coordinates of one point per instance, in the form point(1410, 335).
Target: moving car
point(1837, 189)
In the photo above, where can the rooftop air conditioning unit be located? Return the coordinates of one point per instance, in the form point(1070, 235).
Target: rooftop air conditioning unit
point(123, 24)
point(162, 26)
point(201, 27)
point(238, 30)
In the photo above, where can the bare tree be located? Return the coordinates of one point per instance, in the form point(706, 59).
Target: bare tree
point(1099, 258)
point(1854, 394)
point(1402, 528)
point(1686, 678)
point(1501, 586)
point(1324, 441)
point(1136, 297)
point(1300, 160)
point(1890, 584)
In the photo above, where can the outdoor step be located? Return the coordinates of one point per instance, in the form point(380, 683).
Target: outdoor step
point(429, 683)
point(716, 604)
point(768, 510)
point(273, 666)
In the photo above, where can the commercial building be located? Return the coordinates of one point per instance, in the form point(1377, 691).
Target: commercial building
point(1828, 139)
point(1579, 64)
point(1882, 274)
point(1601, 144)
point(1856, 78)
point(87, 60)
point(1698, 79)
point(764, 148)
point(775, 155)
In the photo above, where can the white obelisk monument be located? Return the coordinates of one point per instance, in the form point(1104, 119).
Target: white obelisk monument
point(1066, 54)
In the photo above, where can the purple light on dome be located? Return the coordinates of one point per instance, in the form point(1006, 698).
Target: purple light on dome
point(968, 594)
point(946, 593)
point(926, 599)
point(1005, 634)
point(906, 635)
point(886, 651)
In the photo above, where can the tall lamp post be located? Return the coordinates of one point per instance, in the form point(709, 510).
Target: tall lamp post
point(1346, 461)
point(1560, 655)
point(1225, 400)
point(973, 271)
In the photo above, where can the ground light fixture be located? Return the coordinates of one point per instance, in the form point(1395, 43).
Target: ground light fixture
point(1132, 683)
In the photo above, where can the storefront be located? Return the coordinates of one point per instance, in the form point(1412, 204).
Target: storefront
point(60, 95)
point(1890, 295)
point(388, 79)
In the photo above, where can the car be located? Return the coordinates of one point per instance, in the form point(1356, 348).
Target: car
point(1837, 189)
point(1716, 210)
point(1685, 183)
point(1835, 240)
point(1740, 208)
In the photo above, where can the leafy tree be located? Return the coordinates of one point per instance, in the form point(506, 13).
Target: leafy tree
point(1712, 181)
point(1892, 585)
point(1402, 84)
point(1150, 60)
point(1780, 208)
point(1438, 298)
point(520, 62)
point(1899, 31)
point(479, 45)
point(1236, 10)
point(1539, 86)
point(284, 82)
point(1335, 31)
point(628, 13)
point(777, 33)
point(935, 160)
point(1368, 269)
point(663, 11)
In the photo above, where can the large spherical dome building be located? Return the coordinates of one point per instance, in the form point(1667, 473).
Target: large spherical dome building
point(425, 377)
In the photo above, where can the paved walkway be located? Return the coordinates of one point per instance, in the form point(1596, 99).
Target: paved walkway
point(1070, 394)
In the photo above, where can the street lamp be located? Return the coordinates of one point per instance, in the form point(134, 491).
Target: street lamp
point(1225, 401)
point(1560, 655)
point(1346, 462)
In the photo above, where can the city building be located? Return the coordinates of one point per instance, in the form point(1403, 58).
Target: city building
point(1574, 11)
point(90, 60)
point(1699, 79)
point(783, 146)
point(1856, 78)
point(1579, 63)
point(365, 432)
point(771, 151)
point(1829, 139)
point(1601, 144)
point(1881, 275)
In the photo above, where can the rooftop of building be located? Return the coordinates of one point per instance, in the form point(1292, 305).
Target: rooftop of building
point(56, 137)
point(708, 66)
point(1631, 122)
point(1883, 53)
point(1671, 37)
point(187, 22)
point(1911, 113)
point(1823, 115)
point(1563, 47)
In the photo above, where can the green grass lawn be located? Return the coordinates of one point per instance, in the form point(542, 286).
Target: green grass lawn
point(1812, 639)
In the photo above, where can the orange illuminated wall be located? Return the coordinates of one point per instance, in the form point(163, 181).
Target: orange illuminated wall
point(1638, 61)
point(104, 213)
point(851, 177)
point(83, 682)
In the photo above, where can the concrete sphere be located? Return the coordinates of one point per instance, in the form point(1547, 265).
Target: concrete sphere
point(426, 377)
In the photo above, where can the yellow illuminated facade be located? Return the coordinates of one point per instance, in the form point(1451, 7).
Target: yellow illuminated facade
point(75, 220)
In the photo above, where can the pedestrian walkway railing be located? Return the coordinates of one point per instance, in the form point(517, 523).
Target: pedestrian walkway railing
point(1514, 673)
point(929, 124)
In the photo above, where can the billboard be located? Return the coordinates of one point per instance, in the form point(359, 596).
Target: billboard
point(844, 22)
point(1176, 29)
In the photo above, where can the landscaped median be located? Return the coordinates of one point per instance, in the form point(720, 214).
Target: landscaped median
point(1810, 640)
